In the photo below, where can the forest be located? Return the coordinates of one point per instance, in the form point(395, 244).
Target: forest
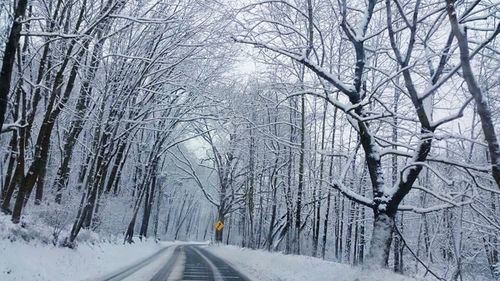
point(361, 132)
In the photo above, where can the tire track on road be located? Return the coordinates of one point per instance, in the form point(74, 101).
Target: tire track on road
point(135, 267)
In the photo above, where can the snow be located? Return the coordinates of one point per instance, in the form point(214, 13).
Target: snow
point(145, 272)
point(265, 266)
point(39, 261)
point(47, 262)
point(12, 126)
point(32, 253)
point(149, 269)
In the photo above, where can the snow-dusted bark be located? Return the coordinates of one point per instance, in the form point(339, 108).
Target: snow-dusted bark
point(9, 57)
point(483, 107)
point(380, 243)
point(292, 40)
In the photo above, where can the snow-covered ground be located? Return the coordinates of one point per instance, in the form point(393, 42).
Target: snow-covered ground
point(30, 251)
point(42, 262)
point(265, 266)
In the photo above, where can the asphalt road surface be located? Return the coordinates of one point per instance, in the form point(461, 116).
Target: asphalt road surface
point(187, 263)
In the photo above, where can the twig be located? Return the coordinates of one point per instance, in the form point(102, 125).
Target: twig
point(414, 255)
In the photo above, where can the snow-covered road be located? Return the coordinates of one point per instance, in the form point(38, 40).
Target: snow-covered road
point(179, 262)
point(169, 261)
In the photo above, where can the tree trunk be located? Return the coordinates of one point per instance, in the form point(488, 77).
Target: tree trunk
point(361, 254)
point(298, 218)
point(274, 206)
point(483, 108)
point(383, 228)
point(148, 206)
point(325, 225)
point(9, 57)
point(39, 186)
point(13, 144)
point(158, 208)
point(116, 166)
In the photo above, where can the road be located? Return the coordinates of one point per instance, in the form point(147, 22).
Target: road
point(187, 263)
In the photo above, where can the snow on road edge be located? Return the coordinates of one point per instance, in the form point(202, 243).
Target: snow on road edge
point(43, 262)
point(265, 266)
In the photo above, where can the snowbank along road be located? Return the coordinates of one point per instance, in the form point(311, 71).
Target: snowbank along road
point(187, 263)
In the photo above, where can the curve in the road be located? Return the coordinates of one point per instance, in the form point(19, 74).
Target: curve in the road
point(226, 271)
point(166, 271)
point(135, 267)
point(187, 263)
point(199, 265)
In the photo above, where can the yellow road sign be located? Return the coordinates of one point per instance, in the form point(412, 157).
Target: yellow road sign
point(219, 225)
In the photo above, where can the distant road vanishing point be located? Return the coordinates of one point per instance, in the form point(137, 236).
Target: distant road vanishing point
point(187, 263)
